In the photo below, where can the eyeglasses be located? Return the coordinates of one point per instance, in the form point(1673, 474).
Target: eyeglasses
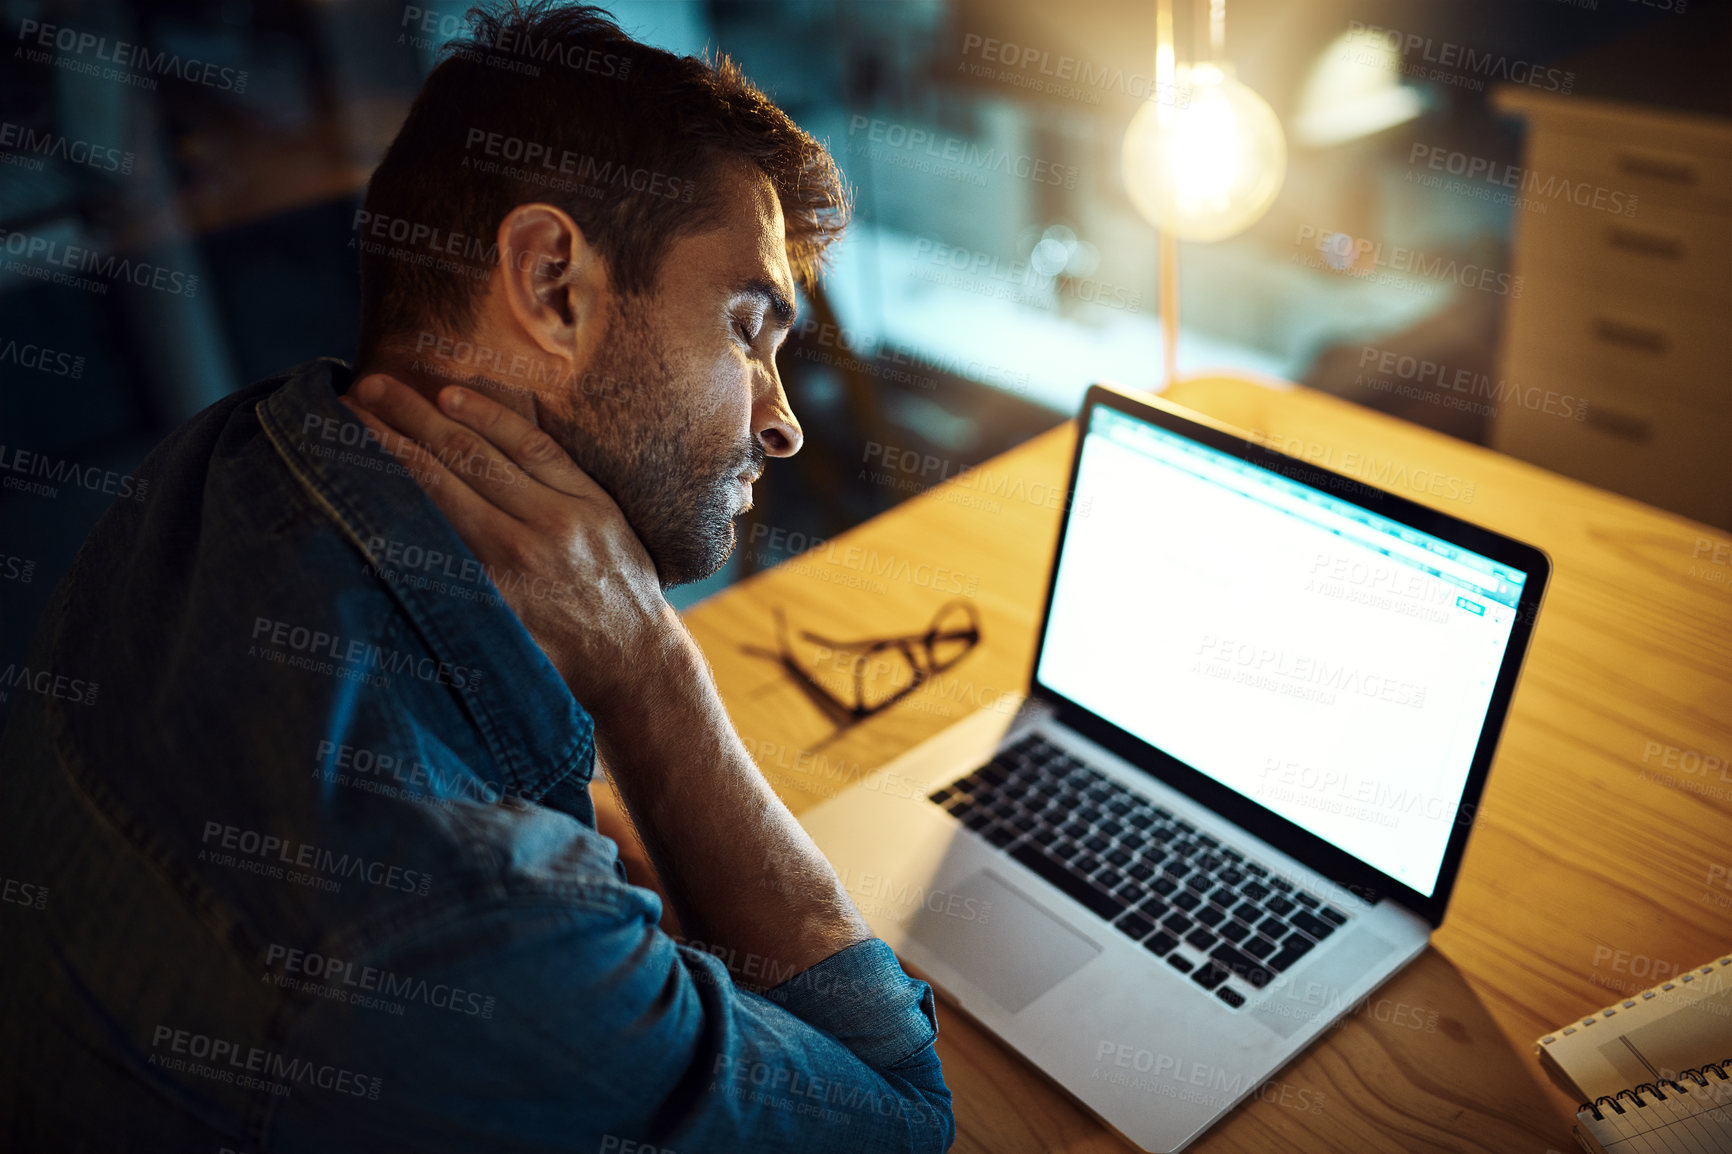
point(852, 680)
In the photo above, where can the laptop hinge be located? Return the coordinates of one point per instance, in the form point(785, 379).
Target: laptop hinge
point(1033, 712)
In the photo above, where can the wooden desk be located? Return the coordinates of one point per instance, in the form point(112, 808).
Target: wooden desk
point(1600, 860)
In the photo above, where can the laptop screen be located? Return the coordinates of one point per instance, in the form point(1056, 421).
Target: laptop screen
point(1330, 664)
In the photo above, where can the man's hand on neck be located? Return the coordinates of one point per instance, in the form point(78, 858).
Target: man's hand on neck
point(738, 868)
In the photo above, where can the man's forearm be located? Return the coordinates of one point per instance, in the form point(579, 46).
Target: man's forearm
point(740, 871)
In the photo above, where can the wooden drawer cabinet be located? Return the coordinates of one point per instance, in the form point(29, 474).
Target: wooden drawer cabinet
point(1674, 257)
point(1615, 337)
point(1629, 313)
point(1643, 443)
point(1622, 149)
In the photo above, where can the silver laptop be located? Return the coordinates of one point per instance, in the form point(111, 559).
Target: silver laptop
point(1264, 702)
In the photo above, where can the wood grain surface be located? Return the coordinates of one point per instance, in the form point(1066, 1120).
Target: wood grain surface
point(1599, 859)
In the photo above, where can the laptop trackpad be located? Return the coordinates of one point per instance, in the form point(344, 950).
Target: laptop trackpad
point(1013, 950)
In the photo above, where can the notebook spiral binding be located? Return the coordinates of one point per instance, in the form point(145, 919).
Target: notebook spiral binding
point(1698, 1075)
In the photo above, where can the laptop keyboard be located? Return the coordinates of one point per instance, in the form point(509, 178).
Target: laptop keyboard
point(1208, 910)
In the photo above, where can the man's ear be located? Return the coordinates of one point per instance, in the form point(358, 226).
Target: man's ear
point(555, 282)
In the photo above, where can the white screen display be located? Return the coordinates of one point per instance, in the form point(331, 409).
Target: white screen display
point(1327, 663)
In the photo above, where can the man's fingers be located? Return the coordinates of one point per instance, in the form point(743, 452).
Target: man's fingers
point(468, 511)
point(484, 492)
point(528, 446)
point(455, 447)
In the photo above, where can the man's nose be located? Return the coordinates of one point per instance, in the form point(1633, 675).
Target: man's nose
point(777, 429)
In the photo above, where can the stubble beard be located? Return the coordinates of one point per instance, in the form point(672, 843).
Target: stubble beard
point(675, 485)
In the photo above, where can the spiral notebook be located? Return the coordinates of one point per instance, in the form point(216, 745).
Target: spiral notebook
point(1680, 1024)
point(1652, 1069)
point(1691, 1114)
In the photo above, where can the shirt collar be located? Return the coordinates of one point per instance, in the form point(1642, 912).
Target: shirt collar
point(535, 728)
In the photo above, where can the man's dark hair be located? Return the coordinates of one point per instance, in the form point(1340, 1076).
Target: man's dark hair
point(555, 104)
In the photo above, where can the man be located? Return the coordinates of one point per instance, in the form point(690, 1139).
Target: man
point(315, 839)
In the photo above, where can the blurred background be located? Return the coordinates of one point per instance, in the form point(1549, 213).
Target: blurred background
point(1510, 220)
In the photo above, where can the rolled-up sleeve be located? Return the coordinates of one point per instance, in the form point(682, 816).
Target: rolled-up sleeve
point(601, 1033)
point(861, 997)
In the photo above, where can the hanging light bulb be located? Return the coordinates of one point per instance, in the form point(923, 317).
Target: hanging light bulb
point(1207, 166)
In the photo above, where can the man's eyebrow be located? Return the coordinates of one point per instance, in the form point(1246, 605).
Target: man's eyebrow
point(773, 297)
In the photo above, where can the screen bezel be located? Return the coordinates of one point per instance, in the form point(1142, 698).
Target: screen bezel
point(1327, 859)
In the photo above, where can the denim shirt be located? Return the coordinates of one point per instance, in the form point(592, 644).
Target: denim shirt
point(299, 854)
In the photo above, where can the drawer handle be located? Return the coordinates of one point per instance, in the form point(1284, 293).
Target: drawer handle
point(1646, 243)
point(1619, 424)
point(1671, 171)
point(1649, 340)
